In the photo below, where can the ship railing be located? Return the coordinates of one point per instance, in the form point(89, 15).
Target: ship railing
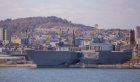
point(72, 49)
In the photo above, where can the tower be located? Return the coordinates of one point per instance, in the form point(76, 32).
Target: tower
point(3, 34)
point(132, 38)
point(96, 26)
point(137, 35)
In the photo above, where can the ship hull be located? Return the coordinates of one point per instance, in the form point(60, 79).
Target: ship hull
point(107, 57)
point(53, 58)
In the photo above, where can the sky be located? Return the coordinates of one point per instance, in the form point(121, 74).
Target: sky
point(105, 13)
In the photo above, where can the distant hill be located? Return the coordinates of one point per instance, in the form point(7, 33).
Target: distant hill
point(22, 24)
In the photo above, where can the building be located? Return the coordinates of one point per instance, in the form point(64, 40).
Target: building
point(132, 38)
point(102, 47)
point(137, 35)
point(3, 34)
point(137, 39)
point(15, 39)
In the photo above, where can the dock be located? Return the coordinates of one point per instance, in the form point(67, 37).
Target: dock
point(116, 66)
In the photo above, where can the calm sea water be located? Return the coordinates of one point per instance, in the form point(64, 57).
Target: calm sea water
point(68, 75)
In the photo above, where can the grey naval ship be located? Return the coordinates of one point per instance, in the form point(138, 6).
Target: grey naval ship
point(87, 53)
point(54, 59)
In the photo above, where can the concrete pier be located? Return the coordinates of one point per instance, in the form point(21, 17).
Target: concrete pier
point(117, 66)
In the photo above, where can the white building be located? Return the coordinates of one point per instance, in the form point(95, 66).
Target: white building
point(102, 46)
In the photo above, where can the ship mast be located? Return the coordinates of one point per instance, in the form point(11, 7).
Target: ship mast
point(73, 39)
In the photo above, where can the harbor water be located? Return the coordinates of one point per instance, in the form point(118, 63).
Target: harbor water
point(68, 75)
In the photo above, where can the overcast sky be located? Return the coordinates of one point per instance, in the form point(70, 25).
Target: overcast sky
point(106, 13)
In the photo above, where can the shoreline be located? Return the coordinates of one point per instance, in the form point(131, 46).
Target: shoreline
point(17, 65)
point(118, 66)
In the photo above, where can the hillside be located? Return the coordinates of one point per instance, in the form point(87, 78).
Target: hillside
point(22, 24)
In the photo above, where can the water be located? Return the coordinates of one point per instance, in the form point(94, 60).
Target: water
point(68, 75)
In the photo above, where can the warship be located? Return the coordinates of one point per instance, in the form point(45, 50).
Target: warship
point(53, 58)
